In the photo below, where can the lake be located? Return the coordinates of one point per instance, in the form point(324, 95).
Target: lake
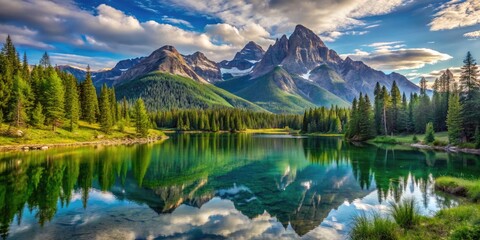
point(216, 186)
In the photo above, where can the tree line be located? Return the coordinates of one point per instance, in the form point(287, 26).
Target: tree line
point(452, 106)
point(44, 95)
point(325, 120)
point(223, 119)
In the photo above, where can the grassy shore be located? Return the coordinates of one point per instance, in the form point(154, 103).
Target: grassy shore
point(84, 133)
point(461, 222)
point(440, 137)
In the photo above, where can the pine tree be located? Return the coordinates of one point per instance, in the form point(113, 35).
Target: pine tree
point(54, 99)
point(7, 71)
point(89, 101)
point(45, 61)
point(72, 108)
point(470, 97)
point(19, 101)
point(25, 69)
point(454, 119)
point(429, 133)
point(353, 123)
point(113, 105)
point(423, 85)
point(106, 121)
point(37, 119)
point(386, 126)
point(378, 108)
point(142, 122)
point(468, 79)
point(396, 99)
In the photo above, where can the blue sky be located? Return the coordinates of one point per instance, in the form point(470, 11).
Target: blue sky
point(413, 37)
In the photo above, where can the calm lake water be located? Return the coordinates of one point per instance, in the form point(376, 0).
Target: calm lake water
point(216, 186)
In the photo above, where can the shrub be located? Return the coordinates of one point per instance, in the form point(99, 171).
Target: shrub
point(405, 213)
point(121, 126)
point(439, 143)
point(415, 139)
point(376, 228)
point(429, 133)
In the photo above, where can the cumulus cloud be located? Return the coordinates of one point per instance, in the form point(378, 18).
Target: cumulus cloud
point(282, 15)
point(394, 56)
point(223, 32)
point(23, 36)
point(455, 14)
point(106, 29)
point(111, 30)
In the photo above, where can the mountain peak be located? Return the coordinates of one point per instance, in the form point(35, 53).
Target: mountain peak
point(204, 67)
point(251, 52)
point(304, 34)
point(300, 27)
point(169, 48)
point(165, 59)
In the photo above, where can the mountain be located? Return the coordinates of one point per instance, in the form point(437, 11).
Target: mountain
point(163, 90)
point(103, 76)
point(243, 62)
point(280, 92)
point(111, 76)
point(164, 80)
point(164, 59)
point(204, 67)
point(316, 71)
point(78, 73)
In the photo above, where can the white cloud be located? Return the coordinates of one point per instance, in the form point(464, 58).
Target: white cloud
point(372, 26)
point(177, 21)
point(223, 32)
point(394, 56)
point(22, 36)
point(80, 61)
point(456, 14)
point(332, 36)
point(109, 29)
point(472, 35)
point(281, 16)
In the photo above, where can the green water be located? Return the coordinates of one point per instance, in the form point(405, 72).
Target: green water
point(216, 186)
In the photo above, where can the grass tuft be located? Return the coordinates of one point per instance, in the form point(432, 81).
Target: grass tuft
point(376, 228)
point(405, 213)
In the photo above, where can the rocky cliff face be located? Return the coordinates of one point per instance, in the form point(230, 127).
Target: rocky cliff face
point(204, 67)
point(165, 59)
point(304, 51)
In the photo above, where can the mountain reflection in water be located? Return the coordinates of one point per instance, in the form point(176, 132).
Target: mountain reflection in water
point(216, 186)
